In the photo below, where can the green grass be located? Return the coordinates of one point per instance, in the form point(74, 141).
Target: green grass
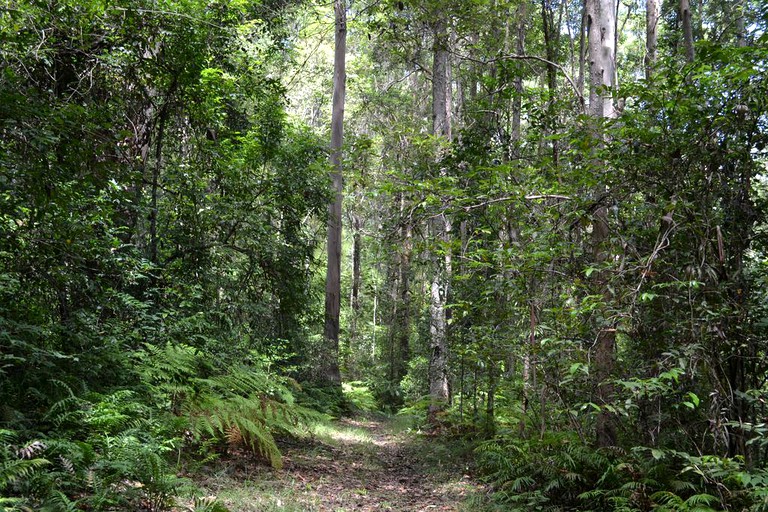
point(263, 495)
point(337, 435)
point(332, 459)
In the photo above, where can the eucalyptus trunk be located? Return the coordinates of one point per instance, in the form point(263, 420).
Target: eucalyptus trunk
point(651, 35)
point(601, 26)
point(687, 20)
point(441, 228)
point(330, 365)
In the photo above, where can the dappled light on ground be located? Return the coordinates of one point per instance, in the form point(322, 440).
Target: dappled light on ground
point(359, 465)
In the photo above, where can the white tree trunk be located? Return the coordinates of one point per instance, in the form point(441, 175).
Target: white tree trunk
point(601, 29)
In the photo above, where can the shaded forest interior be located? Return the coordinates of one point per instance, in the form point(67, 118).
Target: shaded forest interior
point(530, 228)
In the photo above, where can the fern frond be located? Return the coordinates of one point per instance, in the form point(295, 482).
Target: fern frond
point(208, 504)
point(31, 449)
point(7, 437)
point(60, 502)
point(681, 486)
point(697, 500)
point(667, 498)
point(234, 436)
point(13, 471)
point(14, 505)
point(68, 409)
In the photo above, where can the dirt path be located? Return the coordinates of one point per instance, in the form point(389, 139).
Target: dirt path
point(353, 465)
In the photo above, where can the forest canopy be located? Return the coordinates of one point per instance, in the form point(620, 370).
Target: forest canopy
point(538, 226)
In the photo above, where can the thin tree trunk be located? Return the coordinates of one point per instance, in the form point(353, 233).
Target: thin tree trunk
point(741, 29)
point(686, 18)
point(517, 102)
point(651, 35)
point(153, 256)
point(404, 322)
point(490, 399)
point(551, 43)
point(583, 50)
point(330, 366)
point(441, 104)
point(602, 66)
point(605, 345)
point(354, 300)
point(601, 24)
point(441, 117)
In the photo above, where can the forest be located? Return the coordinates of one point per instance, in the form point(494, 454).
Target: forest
point(532, 229)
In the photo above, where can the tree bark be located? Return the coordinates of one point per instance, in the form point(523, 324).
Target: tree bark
point(686, 18)
point(551, 44)
point(330, 366)
point(582, 51)
point(601, 25)
point(441, 128)
point(441, 101)
point(404, 317)
point(517, 102)
point(741, 29)
point(651, 35)
point(354, 301)
point(153, 208)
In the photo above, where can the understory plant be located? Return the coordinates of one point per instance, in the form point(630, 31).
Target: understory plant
point(559, 472)
point(128, 449)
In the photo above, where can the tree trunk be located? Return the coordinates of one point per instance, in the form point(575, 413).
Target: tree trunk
point(441, 127)
point(517, 102)
point(551, 45)
point(330, 365)
point(153, 256)
point(741, 29)
point(582, 51)
point(601, 24)
point(404, 320)
point(686, 18)
point(441, 100)
point(605, 345)
point(651, 35)
point(354, 300)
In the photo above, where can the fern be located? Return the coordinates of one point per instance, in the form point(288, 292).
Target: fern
point(242, 406)
point(239, 419)
point(13, 505)
point(207, 504)
point(57, 501)
point(168, 372)
point(18, 465)
point(12, 471)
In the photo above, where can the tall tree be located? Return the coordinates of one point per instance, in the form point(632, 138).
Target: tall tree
point(601, 26)
point(651, 35)
point(439, 288)
point(687, 21)
point(331, 373)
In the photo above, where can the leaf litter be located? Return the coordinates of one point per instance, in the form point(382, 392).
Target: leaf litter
point(358, 464)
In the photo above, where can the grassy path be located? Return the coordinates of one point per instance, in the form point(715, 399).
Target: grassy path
point(351, 465)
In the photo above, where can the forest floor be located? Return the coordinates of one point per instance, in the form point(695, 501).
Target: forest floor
point(363, 464)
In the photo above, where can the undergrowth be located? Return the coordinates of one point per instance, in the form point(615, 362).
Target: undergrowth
point(559, 472)
point(128, 449)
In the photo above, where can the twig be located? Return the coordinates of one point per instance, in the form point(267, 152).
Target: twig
point(511, 198)
point(514, 56)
